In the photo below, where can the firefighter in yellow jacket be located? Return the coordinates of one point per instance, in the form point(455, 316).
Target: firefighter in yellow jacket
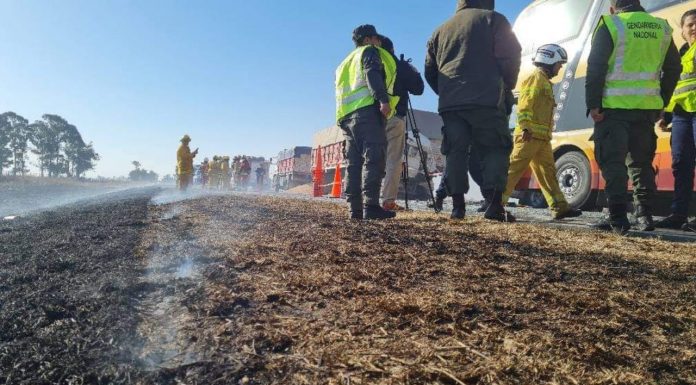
point(184, 163)
point(215, 172)
point(532, 139)
point(225, 172)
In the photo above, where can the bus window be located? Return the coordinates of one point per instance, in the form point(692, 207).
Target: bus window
point(551, 21)
point(653, 5)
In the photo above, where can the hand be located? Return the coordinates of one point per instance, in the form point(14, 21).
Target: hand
point(385, 109)
point(664, 127)
point(526, 136)
point(596, 115)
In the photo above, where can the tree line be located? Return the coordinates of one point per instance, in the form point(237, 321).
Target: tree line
point(57, 144)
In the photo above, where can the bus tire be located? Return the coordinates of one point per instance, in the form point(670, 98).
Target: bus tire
point(575, 179)
point(535, 199)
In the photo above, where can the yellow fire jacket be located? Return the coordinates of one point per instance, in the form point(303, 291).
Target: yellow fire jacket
point(535, 106)
point(184, 160)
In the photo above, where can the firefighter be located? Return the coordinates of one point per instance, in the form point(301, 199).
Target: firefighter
point(245, 171)
point(632, 70)
point(235, 171)
point(260, 176)
point(364, 85)
point(681, 111)
point(184, 163)
point(472, 63)
point(215, 172)
point(408, 81)
point(532, 137)
point(225, 172)
point(205, 169)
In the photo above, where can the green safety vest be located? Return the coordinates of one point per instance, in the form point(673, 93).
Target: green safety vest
point(352, 92)
point(641, 42)
point(685, 93)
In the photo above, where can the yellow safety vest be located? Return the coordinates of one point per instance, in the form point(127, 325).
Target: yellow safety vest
point(641, 42)
point(685, 93)
point(352, 92)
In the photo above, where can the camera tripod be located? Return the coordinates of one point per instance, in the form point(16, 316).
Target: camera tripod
point(411, 122)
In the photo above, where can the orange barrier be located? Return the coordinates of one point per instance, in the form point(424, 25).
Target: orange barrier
point(318, 175)
point(337, 183)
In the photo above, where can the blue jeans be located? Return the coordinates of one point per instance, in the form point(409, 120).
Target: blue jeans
point(683, 160)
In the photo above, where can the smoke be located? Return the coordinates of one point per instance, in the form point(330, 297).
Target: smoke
point(173, 195)
point(173, 266)
point(21, 199)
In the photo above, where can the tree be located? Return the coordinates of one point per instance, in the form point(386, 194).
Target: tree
point(85, 161)
point(142, 175)
point(47, 135)
point(5, 152)
point(16, 127)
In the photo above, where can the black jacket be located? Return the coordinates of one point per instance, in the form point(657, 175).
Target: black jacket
point(408, 81)
point(473, 58)
point(598, 66)
point(374, 71)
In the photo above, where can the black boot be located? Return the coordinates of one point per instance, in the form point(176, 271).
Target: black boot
point(486, 201)
point(439, 200)
point(617, 221)
point(570, 213)
point(376, 212)
point(674, 222)
point(357, 215)
point(644, 219)
point(356, 210)
point(459, 207)
point(496, 211)
point(690, 226)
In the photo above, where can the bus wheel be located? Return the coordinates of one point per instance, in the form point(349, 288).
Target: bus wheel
point(536, 199)
point(575, 179)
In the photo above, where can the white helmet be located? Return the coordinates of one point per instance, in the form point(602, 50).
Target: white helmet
point(551, 54)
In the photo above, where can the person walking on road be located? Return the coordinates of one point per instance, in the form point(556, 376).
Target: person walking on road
point(532, 137)
point(364, 85)
point(408, 81)
point(184, 163)
point(472, 63)
point(632, 70)
point(681, 112)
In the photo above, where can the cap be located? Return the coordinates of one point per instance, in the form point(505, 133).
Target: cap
point(624, 3)
point(387, 44)
point(363, 31)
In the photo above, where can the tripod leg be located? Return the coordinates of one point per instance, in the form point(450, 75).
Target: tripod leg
point(423, 156)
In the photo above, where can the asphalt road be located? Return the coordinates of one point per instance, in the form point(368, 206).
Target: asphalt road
point(542, 217)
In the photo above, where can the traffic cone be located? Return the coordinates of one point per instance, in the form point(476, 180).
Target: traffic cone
point(337, 183)
point(318, 175)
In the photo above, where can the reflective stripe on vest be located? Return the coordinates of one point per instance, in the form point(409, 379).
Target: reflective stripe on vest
point(641, 42)
point(352, 92)
point(685, 93)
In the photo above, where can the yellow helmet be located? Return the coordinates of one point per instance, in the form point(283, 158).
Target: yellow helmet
point(186, 138)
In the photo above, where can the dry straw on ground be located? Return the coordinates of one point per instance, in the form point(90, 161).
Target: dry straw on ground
point(300, 295)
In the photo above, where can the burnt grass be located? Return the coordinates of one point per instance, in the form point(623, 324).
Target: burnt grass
point(292, 292)
point(68, 292)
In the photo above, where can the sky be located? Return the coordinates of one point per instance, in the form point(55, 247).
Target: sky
point(240, 77)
